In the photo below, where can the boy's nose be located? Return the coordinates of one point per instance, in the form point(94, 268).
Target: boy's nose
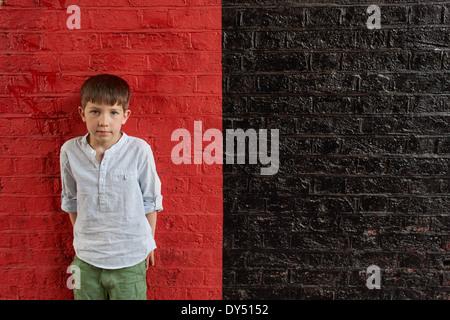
point(103, 121)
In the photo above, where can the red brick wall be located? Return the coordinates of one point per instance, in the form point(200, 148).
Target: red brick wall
point(169, 52)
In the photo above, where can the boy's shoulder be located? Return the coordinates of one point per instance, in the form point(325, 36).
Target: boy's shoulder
point(141, 146)
point(138, 142)
point(71, 143)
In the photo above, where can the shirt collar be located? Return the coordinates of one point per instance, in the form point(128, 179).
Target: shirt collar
point(117, 145)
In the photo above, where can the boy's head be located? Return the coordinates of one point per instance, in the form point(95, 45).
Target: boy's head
point(104, 108)
point(105, 89)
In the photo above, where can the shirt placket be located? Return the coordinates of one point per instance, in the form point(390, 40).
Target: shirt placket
point(103, 198)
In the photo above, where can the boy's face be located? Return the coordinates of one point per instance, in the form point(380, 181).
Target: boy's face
point(104, 122)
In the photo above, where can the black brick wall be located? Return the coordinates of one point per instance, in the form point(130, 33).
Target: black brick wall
point(364, 149)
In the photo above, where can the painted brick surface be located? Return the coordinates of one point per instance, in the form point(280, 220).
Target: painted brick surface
point(169, 52)
point(364, 149)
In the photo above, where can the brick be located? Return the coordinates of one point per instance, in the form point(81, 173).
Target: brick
point(426, 61)
point(379, 61)
point(177, 239)
point(29, 105)
point(206, 40)
point(208, 84)
point(22, 4)
point(420, 38)
point(24, 166)
point(166, 84)
point(189, 18)
point(395, 15)
point(36, 19)
point(6, 166)
point(22, 63)
point(71, 41)
point(66, 84)
point(29, 186)
point(109, 19)
point(323, 16)
point(270, 62)
point(26, 42)
point(26, 147)
point(411, 242)
point(115, 62)
point(304, 39)
point(199, 62)
point(38, 126)
point(423, 14)
point(155, 19)
point(114, 41)
point(421, 83)
point(212, 204)
point(73, 62)
point(238, 40)
point(5, 42)
point(161, 41)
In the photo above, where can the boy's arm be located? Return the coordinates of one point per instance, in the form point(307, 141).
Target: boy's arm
point(149, 181)
point(73, 217)
point(151, 217)
point(151, 191)
point(69, 187)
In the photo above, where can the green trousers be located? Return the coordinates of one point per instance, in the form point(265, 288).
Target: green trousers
point(106, 284)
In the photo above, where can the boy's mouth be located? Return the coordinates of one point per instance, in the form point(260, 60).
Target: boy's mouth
point(103, 132)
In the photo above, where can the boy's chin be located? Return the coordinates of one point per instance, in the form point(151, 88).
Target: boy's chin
point(106, 136)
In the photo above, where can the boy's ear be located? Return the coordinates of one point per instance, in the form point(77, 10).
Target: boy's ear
point(81, 112)
point(126, 115)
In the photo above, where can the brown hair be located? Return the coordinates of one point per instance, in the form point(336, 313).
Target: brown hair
point(106, 89)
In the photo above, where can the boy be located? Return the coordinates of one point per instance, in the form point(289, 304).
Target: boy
point(112, 192)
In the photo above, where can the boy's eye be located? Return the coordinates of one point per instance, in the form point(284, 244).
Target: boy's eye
point(94, 111)
point(114, 113)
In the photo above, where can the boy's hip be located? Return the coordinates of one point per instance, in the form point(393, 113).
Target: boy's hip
point(138, 268)
point(112, 250)
point(98, 283)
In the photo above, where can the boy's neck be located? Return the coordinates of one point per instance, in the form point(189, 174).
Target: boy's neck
point(101, 148)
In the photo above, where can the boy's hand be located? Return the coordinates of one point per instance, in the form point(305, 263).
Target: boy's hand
point(150, 259)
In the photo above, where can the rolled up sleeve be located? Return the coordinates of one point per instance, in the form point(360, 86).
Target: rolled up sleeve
point(69, 186)
point(149, 182)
